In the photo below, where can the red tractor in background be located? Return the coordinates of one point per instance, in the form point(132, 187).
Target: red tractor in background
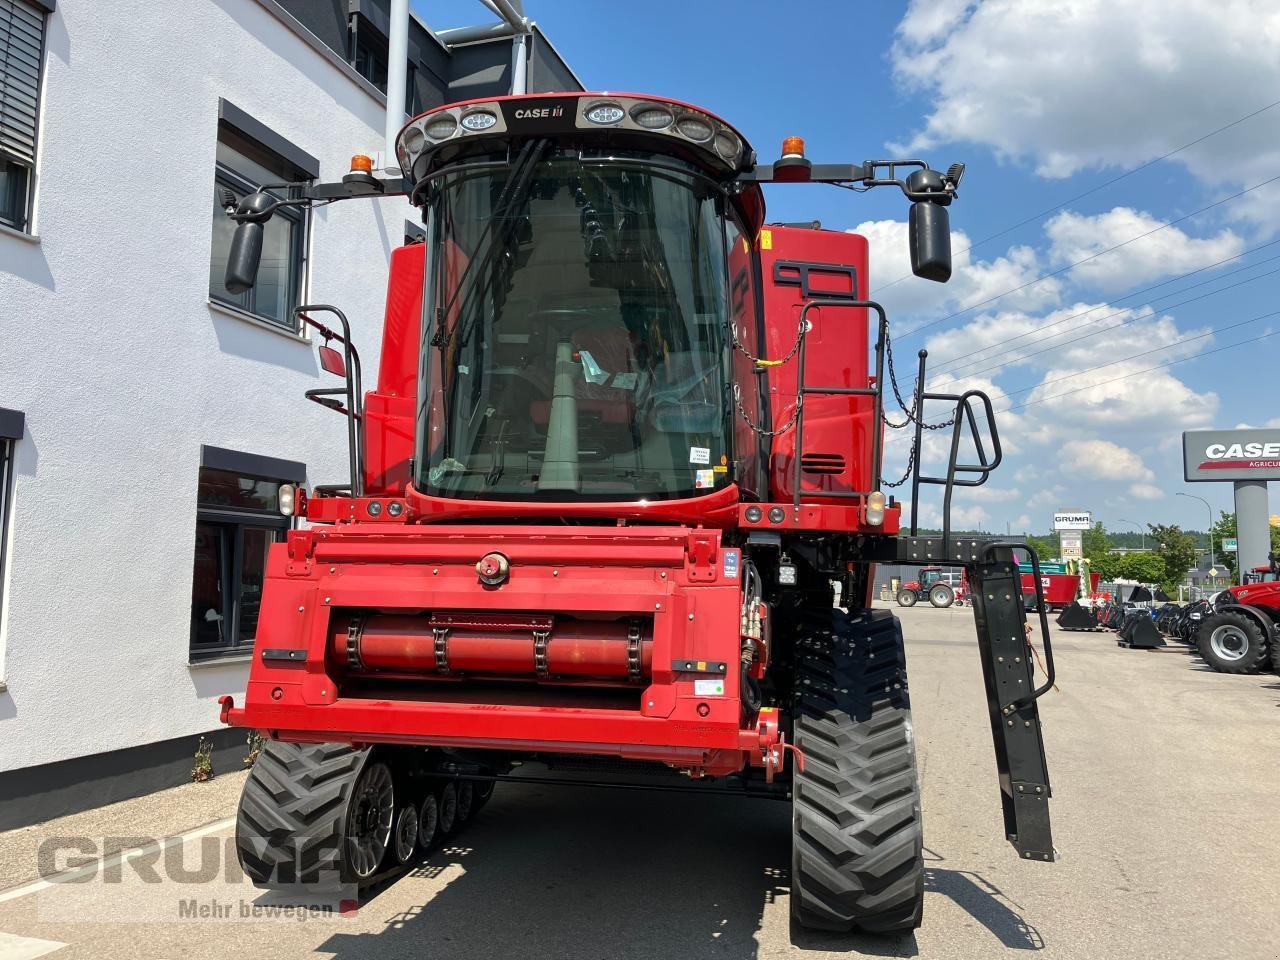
point(1242, 634)
point(626, 437)
point(943, 587)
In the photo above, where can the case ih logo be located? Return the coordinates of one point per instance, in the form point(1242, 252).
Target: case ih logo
point(1241, 456)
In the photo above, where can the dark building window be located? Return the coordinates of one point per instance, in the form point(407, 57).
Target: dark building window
point(243, 165)
point(21, 54)
point(237, 520)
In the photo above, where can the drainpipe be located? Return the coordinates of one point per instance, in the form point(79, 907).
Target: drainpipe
point(397, 80)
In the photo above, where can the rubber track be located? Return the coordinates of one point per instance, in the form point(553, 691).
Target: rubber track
point(857, 859)
point(289, 826)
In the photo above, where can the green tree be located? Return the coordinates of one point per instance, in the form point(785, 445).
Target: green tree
point(1046, 548)
point(1178, 551)
point(1143, 567)
point(1106, 566)
point(1096, 542)
point(1225, 528)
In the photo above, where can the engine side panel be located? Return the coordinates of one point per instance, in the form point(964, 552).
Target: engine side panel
point(800, 265)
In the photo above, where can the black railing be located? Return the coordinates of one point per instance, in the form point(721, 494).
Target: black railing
point(962, 416)
point(803, 390)
point(347, 399)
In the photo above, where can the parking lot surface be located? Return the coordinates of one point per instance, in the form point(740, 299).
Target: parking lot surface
point(1166, 779)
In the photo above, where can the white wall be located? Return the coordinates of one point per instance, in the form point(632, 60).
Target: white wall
point(108, 344)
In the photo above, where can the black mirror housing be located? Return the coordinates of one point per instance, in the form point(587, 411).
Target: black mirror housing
point(246, 243)
point(929, 230)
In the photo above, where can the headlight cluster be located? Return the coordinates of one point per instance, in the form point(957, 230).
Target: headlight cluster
point(557, 114)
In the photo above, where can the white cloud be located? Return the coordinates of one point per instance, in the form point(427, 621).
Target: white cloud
point(1146, 491)
point(1074, 237)
point(971, 282)
point(1104, 460)
point(1093, 83)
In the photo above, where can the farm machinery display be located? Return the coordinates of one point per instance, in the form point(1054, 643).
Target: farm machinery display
point(942, 587)
point(1241, 633)
point(626, 436)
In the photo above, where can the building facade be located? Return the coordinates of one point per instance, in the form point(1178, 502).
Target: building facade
point(147, 415)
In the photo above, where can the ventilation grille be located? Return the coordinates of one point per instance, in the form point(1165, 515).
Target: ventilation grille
point(822, 463)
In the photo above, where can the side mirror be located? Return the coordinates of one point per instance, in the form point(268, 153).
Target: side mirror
point(246, 243)
point(331, 361)
point(930, 238)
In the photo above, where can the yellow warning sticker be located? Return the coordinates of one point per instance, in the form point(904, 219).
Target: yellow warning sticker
point(766, 239)
point(720, 468)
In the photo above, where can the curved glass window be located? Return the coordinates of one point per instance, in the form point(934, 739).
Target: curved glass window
point(575, 333)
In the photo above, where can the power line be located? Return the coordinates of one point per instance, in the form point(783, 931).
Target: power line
point(908, 435)
point(1128, 296)
point(1092, 190)
point(1174, 343)
point(1095, 256)
point(1117, 326)
point(1159, 366)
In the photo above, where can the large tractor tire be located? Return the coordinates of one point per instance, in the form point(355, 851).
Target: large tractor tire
point(314, 814)
point(907, 598)
point(942, 595)
point(857, 858)
point(1232, 642)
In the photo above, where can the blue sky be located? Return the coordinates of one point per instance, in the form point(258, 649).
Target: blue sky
point(1043, 101)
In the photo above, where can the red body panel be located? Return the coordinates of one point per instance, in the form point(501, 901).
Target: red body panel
point(682, 584)
point(1258, 594)
point(837, 430)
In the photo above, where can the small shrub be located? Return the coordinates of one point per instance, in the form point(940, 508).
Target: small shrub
point(254, 742)
point(203, 767)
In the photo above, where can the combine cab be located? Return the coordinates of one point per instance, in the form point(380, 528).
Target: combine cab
point(626, 436)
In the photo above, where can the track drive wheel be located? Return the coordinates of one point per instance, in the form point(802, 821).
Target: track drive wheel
point(857, 856)
point(295, 809)
point(941, 595)
point(482, 791)
point(907, 598)
point(1232, 642)
point(428, 821)
point(447, 800)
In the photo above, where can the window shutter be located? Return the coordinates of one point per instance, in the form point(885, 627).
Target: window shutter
point(21, 45)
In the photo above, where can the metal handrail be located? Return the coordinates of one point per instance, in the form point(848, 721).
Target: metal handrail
point(1051, 674)
point(354, 410)
point(802, 389)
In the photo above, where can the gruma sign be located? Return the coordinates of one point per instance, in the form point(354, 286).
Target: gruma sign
point(1231, 454)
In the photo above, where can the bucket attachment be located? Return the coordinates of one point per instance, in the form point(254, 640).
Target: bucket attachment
point(1139, 633)
point(1074, 616)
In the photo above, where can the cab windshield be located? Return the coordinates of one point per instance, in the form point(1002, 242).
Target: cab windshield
point(574, 334)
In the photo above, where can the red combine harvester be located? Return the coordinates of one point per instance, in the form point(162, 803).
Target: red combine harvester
point(625, 438)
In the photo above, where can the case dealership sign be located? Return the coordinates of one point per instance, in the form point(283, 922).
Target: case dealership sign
point(1248, 459)
point(1231, 455)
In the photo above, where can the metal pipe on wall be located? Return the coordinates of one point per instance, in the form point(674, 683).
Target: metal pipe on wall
point(397, 80)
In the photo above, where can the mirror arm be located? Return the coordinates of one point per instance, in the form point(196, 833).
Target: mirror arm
point(870, 173)
point(347, 189)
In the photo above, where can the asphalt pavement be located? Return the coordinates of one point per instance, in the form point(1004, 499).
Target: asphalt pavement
point(1166, 787)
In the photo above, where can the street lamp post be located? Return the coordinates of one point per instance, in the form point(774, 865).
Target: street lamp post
point(1141, 533)
point(1192, 496)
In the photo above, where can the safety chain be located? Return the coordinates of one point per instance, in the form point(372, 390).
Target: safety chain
point(755, 427)
point(795, 347)
point(897, 393)
point(911, 460)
